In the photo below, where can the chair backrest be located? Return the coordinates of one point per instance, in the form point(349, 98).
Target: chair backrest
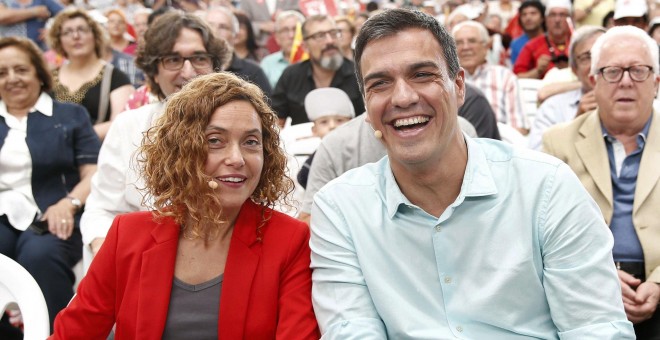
point(299, 141)
point(528, 89)
point(511, 135)
point(18, 286)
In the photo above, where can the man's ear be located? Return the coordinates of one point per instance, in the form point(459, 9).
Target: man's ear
point(459, 82)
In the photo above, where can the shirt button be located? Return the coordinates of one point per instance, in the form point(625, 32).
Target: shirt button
point(438, 228)
point(459, 329)
point(447, 279)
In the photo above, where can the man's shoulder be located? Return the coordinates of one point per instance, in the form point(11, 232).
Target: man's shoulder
point(498, 152)
point(499, 69)
point(566, 132)
point(136, 118)
point(520, 41)
point(273, 58)
point(358, 181)
point(537, 40)
point(564, 98)
point(297, 69)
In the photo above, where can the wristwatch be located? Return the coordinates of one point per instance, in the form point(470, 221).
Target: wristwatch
point(75, 202)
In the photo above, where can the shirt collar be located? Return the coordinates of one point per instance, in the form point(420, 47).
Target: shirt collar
point(641, 136)
point(477, 71)
point(477, 180)
point(44, 105)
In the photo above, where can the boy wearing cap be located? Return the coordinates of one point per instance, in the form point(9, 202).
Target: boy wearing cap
point(327, 108)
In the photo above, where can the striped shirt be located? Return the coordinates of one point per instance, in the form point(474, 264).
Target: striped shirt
point(500, 86)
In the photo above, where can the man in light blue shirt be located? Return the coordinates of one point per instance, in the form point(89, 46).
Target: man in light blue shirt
point(448, 236)
point(285, 31)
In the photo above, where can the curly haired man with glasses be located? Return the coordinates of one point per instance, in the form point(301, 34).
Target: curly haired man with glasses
point(177, 48)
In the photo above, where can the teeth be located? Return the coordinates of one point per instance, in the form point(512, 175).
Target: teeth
point(231, 179)
point(410, 121)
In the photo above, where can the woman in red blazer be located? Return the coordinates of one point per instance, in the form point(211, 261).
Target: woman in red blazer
point(213, 260)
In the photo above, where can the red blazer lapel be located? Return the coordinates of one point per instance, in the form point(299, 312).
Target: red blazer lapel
point(242, 262)
point(156, 277)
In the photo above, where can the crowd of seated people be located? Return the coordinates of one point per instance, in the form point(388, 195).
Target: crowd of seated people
point(85, 86)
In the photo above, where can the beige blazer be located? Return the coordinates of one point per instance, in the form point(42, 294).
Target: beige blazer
point(581, 145)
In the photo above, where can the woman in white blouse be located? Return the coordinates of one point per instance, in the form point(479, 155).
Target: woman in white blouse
point(48, 153)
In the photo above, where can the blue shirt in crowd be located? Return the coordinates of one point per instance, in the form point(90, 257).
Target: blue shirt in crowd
point(523, 252)
point(623, 170)
point(517, 46)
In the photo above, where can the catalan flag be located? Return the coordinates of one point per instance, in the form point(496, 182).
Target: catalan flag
point(298, 53)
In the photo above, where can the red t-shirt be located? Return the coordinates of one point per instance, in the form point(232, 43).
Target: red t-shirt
point(535, 48)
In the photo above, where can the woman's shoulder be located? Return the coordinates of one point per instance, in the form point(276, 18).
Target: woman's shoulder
point(67, 108)
point(118, 79)
point(143, 223)
point(70, 112)
point(284, 227)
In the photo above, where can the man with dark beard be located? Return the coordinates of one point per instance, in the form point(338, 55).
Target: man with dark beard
point(326, 67)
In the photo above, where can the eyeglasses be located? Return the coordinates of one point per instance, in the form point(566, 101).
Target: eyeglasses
point(319, 36)
point(468, 42)
point(175, 62)
point(638, 73)
point(81, 30)
point(584, 58)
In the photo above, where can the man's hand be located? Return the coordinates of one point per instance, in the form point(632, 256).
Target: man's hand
point(40, 12)
point(96, 245)
point(639, 299)
point(542, 64)
point(587, 103)
point(646, 301)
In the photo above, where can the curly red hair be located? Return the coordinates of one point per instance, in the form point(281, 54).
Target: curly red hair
point(174, 152)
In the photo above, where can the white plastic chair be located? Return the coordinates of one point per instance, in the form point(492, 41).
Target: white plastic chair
point(18, 286)
point(528, 89)
point(299, 143)
point(511, 135)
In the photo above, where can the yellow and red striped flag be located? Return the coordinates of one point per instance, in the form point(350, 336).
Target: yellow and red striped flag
point(298, 53)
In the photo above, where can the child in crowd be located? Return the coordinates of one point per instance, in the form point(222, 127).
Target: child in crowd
point(328, 108)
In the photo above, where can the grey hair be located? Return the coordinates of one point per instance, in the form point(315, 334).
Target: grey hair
point(579, 36)
point(392, 21)
point(629, 31)
point(481, 29)
point(228, 12)
point(143, 11)
point(316, 18)
point(286, 15)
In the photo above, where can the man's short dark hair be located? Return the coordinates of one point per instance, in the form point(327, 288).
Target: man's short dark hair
point(159, 40)
point(392, 21)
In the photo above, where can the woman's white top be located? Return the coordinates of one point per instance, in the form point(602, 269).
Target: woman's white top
point(16, 199)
